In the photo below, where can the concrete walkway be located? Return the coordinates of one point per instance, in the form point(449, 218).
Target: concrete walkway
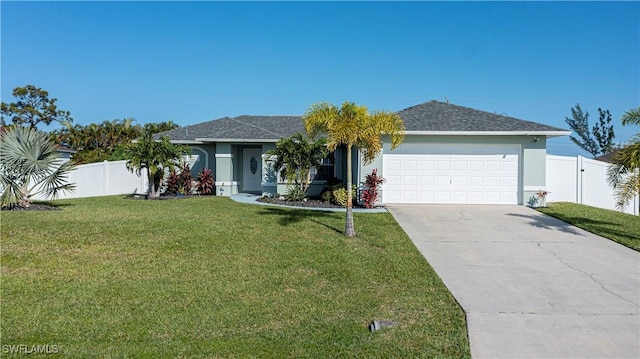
point(249, 198)
point(531, 286)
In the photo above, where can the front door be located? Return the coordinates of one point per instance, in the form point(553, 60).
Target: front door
point(252, 170)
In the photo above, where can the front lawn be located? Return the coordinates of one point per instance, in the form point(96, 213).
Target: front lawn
point(620, 227)
point(208, 277)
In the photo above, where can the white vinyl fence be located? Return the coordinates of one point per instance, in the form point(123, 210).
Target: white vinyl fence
point(569, 179)
point(105, 179)
point(582, 180)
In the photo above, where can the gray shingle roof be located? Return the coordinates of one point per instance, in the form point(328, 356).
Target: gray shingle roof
point(607, 157)
point(239, 128)
point(441, 116)
point(429, 116)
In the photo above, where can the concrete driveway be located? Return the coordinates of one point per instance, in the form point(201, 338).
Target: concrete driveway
point(531, 286)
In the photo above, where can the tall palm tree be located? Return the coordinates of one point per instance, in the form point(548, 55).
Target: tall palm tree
point(155, 156)
point(30, 165)
point(624, 172)
point(352, 125)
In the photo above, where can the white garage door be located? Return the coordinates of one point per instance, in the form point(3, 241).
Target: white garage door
point(451, 173)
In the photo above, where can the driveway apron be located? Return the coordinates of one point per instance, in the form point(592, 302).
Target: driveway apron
point(531, 286)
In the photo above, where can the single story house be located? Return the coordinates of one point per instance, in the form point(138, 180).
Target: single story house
point(451, 154)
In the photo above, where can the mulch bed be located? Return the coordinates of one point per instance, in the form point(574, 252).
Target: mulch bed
point(310, 203)
point(161, 198)
point(32, 207)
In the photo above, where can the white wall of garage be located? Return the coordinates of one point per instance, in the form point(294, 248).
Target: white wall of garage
point(453, 173)
point(527, 153)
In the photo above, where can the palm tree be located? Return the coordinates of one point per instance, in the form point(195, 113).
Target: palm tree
point(30, 165)
point(155, 156)
point(353, 125)
point(624, 172)
point(295, 156)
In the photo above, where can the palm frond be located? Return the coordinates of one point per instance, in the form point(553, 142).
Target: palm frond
point(30, 164)
point(317, 117)
point(616, 173)
point(631, 117)
point(627, 189)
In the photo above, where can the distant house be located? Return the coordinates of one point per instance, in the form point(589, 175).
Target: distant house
point(451, 154)
point(607, 157)
point(65, 152)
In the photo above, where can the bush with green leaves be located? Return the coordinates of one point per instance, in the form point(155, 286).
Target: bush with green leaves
point(327, 196)
point(295, 194)
point(205, 182)
point(340, 195)
point(331, 184)
point(30, 165)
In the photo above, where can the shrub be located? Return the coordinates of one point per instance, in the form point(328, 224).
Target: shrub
point(205, 182)
point(327, 195)
point(294, 194)
point(173, 181)
point(370, 195)
point(179, 181)
point(332, 184)
point(185, 179)
point(340, 195)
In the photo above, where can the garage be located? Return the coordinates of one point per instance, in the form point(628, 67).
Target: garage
point(452, 173)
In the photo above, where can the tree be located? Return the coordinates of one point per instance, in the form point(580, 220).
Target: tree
point(103, 141)
point(160, 126)
point(624, 172)
point(32, 108)
point(155, 156)
point(296, 155)
point(30, 165)
point(352, 125)
point(603, 131)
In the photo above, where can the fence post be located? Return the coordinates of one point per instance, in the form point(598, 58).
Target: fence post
point(105, 177)
point(636, 202)
point(579, 180)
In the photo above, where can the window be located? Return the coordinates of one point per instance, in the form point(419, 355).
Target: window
point(325, 170)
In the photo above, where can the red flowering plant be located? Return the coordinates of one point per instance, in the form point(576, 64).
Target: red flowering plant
point(370, 194)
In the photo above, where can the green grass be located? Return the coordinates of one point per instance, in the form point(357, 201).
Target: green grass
point(617, 226)
point(208, 277)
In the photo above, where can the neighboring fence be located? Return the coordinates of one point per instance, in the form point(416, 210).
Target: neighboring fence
point(582, 180)
point(104, 179)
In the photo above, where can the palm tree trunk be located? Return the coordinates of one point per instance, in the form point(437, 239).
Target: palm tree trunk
point(152, 185)
point(349, 231)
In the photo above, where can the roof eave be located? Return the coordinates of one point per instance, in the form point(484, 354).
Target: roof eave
point(186, 142)
point(491, 133)
point(204, 139)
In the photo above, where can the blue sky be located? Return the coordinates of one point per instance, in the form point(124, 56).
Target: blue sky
point(192, 62)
